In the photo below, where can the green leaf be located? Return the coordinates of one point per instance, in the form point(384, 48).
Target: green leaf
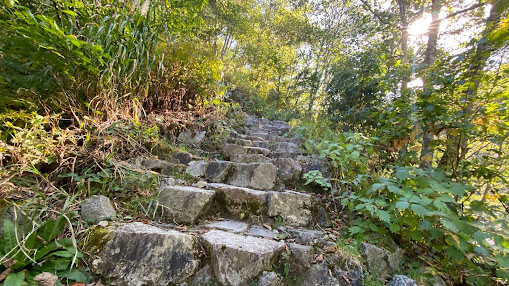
point(355, 229)
point(419, 210)
point(15, 279)
point(384, 216)
point(75, 275)
point(425, 225)
point(502, 260)
point(395, 228)
point(51, 229)
point(440, 205)
point(402, 205)
point(394, 189)
point(9, 236)
point(455, 254)
point(402, 174)
point(449, 225)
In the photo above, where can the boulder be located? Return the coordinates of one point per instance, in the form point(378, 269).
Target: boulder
point(181, 158)
point(96, 209)
point(259, 176)
point(197, 168)
point(269, 279)
point(402, 280)
point(379, 260)
point(218, 171)
point(236, 259)
point(241, 200)
point(287, 169)
point(293, 207)
point(140, 254)
point(181, 204)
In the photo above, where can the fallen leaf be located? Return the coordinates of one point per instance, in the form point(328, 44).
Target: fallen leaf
point(267, 226)
point(97, 283)
point(319, 258)
point(79, 284)
point(47, 279)
point(330, 249)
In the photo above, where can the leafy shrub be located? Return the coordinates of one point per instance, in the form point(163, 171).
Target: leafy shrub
point(420, 209)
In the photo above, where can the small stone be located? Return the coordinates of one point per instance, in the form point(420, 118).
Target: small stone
point(402, 280)
point(236, 259)
point(293, 207)
point(201, 184)
point(46, 279)
point(269, 279)
point(197, 168)
point(96, 209)
point(182, 158)
point(228, 225)
point(102, 223)
point(182, 204)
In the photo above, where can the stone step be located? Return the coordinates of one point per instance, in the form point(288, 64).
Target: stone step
point(183, 205)
point(293, 207)
point(251, 158)
point(239, 200)
point(285, 147)
point(230, 150)
point(236, 259)
point(250, 137)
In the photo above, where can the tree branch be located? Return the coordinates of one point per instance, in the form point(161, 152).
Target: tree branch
point(461, 11)
point(373, 12)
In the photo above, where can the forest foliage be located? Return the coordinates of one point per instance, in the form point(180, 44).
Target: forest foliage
point(413, 123)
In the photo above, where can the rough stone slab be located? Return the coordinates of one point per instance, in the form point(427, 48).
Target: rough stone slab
point(155, 164)
point(285, 147)
point(252, 138)
point(96, 209)
point(261, 232)
point(197, 168)
point(140, 254)
point(218, 171)
point(287, 169)
point(238, 199)
point(228, 225)
point(236, 259)
point(181, 158)
point(190, 138)
point(232, 150)
point(251, 158)
point(261, 144)
point(242, 142)
point(293, 207)
point(349, 270)
point(263, 135)
point(257, 150)
point(203, 277)
point(259, 176)
point(379, 260)
point(184, 204)
point(319, 275)
point(301, 255)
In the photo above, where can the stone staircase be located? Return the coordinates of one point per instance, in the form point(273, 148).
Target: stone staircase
point(239, 225)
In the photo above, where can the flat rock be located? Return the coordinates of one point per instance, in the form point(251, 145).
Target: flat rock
point(197, 168)
point(181, 204)
point(293, 207)
point(251, 158)
point(96, 209)
point(232, 150)
point(259, 176)
point(228, 225)
point(238, 199)
point(287, 169)
point(218, 171)
point(305, 236)
point(236, 259)
point(261, 232)
point(251, 138)
point(140, 254)
point(261, 144)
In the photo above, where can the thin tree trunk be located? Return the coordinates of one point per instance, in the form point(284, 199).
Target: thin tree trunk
point(429, 58)
point(457, 145)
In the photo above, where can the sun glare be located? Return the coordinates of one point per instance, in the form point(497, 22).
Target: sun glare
point(420, 27)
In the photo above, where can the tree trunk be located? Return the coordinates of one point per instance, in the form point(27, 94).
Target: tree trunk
point(429, 58)
point(457, 145)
